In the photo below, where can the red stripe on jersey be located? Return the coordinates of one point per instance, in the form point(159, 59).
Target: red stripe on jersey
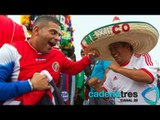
point(145, 57)
point(148, 59)
point(105, 90)
point(149, 73)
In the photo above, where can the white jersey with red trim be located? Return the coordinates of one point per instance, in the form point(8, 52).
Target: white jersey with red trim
point(130, 90)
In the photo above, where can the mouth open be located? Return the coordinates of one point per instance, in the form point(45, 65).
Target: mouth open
point(51, 44)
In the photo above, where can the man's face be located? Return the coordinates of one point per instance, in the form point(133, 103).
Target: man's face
point(118, 51)
point(48, 37)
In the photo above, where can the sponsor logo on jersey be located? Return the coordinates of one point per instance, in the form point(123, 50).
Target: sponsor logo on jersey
point(40, 59)
point(115, 78)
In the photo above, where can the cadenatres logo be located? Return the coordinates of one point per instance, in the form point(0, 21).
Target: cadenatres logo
point(148, 91)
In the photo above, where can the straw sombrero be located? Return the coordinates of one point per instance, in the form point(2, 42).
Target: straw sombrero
point(141, 35)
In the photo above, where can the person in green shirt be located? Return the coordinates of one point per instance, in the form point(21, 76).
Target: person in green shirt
point(79, 92)
point(81, 86)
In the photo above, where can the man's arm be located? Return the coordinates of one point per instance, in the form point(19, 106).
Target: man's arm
point(10, 89)
point(96, 84)
point(134, 74)
point(73, 68)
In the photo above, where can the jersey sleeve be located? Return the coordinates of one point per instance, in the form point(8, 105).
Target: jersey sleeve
point(73, 68)
point(147, 64)
point(10, 88)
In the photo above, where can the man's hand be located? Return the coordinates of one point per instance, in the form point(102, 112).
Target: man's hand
point(95, 83)
point(93, 53)
point(40, 82)
point(114, 66)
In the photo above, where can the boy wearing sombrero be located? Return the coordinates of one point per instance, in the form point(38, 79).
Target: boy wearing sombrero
point(131, 79)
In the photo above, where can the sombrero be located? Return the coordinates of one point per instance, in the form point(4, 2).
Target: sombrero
point(141, 35)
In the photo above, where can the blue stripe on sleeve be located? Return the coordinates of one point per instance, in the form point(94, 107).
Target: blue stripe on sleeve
point(10, 89)
point(5, 71)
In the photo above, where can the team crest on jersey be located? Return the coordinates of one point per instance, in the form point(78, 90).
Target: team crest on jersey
point(55, 66)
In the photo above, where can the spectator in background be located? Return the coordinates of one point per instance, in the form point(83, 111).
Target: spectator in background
point(11, 31)
point(99, 71)
point(87, 75)
point(79, 91)
point(79, 84)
